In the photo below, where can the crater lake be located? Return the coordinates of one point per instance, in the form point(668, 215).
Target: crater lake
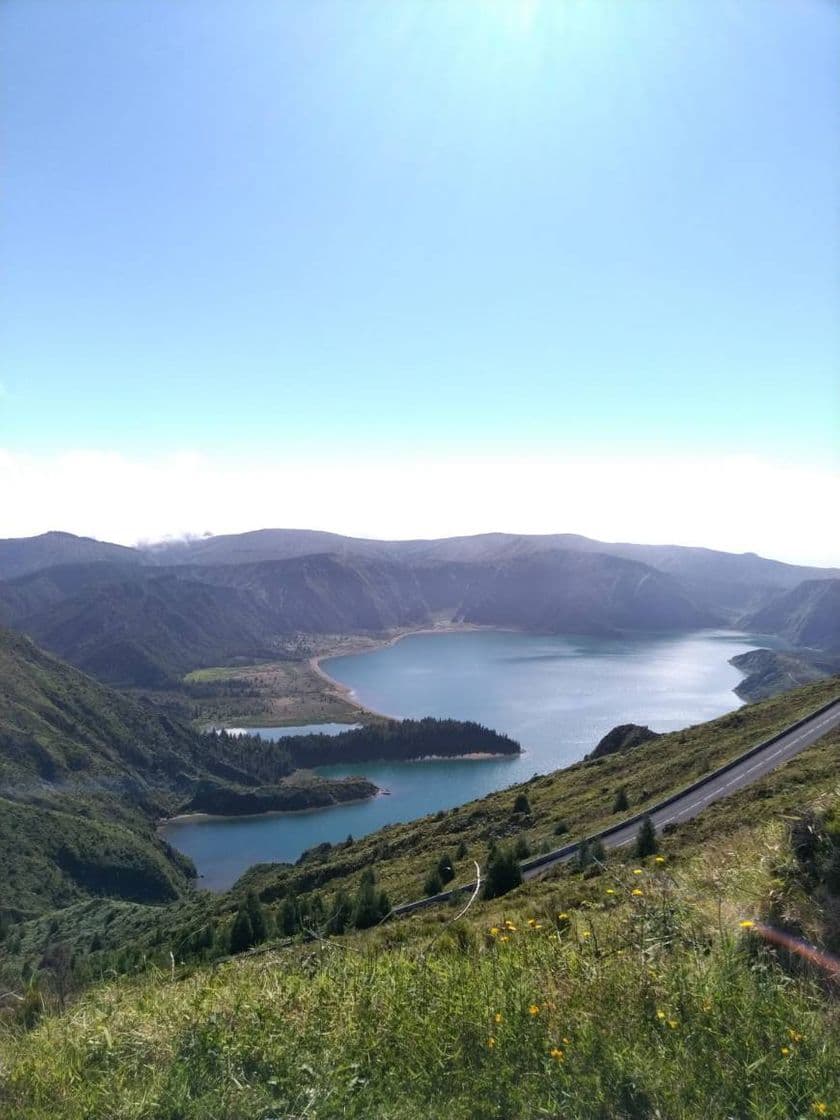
point(556, 695)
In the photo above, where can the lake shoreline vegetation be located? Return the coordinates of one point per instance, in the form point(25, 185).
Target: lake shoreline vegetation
point(118, 975)
point(310, 694)
point(585, 992)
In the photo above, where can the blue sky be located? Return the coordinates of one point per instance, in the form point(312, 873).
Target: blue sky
point(390, 236)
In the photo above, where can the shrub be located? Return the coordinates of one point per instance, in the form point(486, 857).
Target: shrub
point(433, 884)
point(522, 804)
point(445, 869)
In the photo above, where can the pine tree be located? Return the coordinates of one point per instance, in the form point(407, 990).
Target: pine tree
point(621, 804)
point(364, 904)
point(259, 928)
point(341, 913)
point(288, 920)
point(584, 855)
point(503, 873)
point(241, 934)
point(646, 842)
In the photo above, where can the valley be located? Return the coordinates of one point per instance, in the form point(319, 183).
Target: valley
point(473, 677)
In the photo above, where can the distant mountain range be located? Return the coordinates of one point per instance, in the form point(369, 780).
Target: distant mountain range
point(145, 616)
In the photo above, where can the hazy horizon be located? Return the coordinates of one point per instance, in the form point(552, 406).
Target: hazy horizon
point(415, 269)
point(151, 543)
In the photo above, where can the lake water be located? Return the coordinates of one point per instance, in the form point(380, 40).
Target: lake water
point(557, 695)
point(276, 733)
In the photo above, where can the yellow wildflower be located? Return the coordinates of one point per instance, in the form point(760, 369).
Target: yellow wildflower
point(567, 1042)
point(491, 1042)
point(557, 1054)
point(637, 893)
point(660, 1014)
point(659, 859)
point(538, 925)
point(795, 1036)
point(497, 1017)
point(784, 1051)
point(746, 924)
point(819, 1107)
point(504, 937)
point(534, 1009)
point(610, 890)
point(673, 1024)
point(532, 922)
point(564, 917)
point(586, 933)
point(637, 871)
point(509, 925)
point(494, 931)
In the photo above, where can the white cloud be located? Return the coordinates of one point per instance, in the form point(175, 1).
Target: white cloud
point(736, 503)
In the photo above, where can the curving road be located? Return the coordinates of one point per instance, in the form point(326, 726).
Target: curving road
point(682, 806)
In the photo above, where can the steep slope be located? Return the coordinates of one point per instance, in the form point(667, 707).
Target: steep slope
point(606, 990)
point(808, 616)
point(579, 593)
point(718, 581)
point(84, 774)
point(21, 555)
point(327, 594)
point(149, 626)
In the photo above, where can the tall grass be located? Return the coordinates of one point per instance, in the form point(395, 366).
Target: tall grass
point(631, 1008)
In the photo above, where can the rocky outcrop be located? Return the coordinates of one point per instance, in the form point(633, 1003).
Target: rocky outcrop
point(623, 738)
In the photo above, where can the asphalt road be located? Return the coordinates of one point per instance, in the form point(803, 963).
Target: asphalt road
point(751, 766)
point(716, 786)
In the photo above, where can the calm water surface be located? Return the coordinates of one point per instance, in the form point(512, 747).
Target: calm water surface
point(557, 695)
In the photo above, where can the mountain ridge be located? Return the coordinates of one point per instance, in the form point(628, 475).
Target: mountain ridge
point(145, 617)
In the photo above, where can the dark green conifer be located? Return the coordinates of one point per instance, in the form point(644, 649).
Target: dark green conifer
point(646, 842)
point(241, 934)
point(445, 868)
point(621, 803)
point(503, 873)
point(255, 913)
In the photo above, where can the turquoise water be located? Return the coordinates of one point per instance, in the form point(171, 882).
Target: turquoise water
point(557, 695)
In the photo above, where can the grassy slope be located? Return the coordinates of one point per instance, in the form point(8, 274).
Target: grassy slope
point(648, 1002)
point(581, 795)
point(85, 772)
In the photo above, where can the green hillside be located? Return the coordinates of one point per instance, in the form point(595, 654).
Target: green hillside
point(632, 988)
point(86, 772)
